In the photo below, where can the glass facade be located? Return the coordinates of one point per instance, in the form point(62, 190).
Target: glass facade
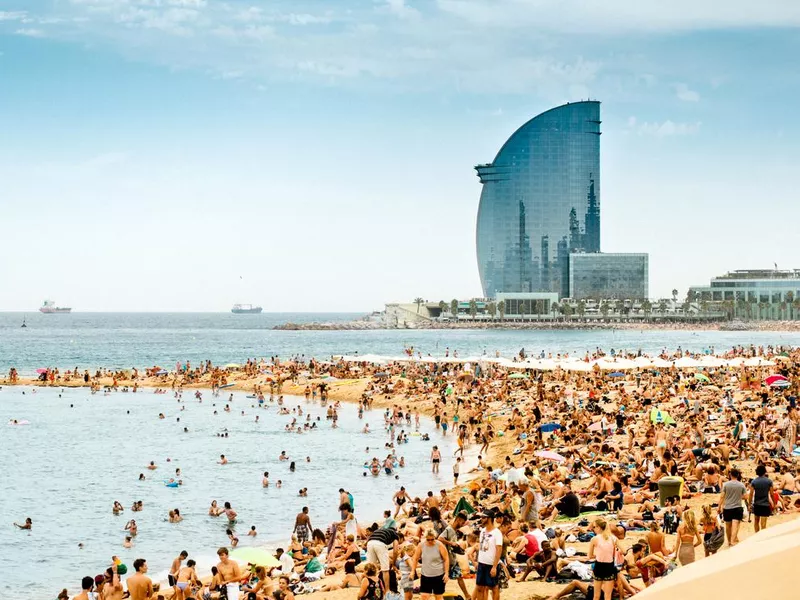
point(540, 202)
point(607, 276)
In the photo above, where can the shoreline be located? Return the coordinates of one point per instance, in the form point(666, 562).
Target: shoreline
point(548, 325)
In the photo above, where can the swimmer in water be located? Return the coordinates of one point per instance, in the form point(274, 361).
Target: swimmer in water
point(27, 525)
point(128, 543)
point(234, 540)
point(265, 479)
point(223, 460)
point(132, 528)
point(252, 532)
point(152, 466)
point(283, 456)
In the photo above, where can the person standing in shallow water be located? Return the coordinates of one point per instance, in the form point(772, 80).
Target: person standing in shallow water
point(436, 458)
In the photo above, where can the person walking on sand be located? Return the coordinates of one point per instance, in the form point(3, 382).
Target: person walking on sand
point(436, 458)
point(730, 506)
point(760, 498)
point(302, 525)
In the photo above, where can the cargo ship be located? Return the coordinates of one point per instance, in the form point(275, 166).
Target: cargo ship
point(49, 307)
point(246, 309)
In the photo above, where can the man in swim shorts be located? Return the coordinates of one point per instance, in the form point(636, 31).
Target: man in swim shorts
point(140, 586)
point(302, 525)
point(230, 574)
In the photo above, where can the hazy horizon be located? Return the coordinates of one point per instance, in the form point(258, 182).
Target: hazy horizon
point(306, 156)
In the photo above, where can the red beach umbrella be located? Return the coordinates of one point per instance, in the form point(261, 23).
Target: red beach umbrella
point(773, 378)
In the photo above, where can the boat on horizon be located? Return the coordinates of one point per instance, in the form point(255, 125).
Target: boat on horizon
point(246, 309)
point(49, 307)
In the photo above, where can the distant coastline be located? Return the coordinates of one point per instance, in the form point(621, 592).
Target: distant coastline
point(360, 325)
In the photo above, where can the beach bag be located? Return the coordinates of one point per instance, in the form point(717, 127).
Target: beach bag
point(716, 540)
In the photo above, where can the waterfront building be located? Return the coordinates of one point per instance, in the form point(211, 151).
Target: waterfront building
point(540, 202)
point(612, 276)
point(753, 293)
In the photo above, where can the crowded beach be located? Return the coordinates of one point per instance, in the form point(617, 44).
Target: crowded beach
point(592, 476)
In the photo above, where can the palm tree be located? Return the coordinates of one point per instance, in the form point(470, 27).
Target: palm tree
point(566, 310)
point(501, 308)
point(674, 295)
point(555, 308)
point(454, 308)
point(581, 308)
point(419, 302)
point(473, 308)
point(604, 308)
point(662, 307)
point(442, 307)
point(492, 309)
point(647, 306)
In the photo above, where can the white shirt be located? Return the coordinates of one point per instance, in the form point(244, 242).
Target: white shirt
point(491, 542)
point(540, 536)
point(287, 563)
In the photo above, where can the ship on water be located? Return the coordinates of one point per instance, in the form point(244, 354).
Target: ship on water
point(246, 309)
point(49, 307)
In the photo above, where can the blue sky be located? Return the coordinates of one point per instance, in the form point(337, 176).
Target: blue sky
point(317, 154)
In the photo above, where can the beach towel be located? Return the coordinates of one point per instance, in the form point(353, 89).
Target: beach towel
point(583, 515)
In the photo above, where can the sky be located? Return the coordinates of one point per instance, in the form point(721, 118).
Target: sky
point(317, 155)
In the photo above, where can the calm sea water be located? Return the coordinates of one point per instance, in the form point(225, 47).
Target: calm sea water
point(81, 452)
point(125, 340)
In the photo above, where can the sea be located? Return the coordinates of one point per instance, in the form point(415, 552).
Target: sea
point(80, 452)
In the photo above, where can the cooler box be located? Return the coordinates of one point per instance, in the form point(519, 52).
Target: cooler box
point(669, 486)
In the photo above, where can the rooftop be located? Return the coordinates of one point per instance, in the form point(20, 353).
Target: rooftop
point(761, 274)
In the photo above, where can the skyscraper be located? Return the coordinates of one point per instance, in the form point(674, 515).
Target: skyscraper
point(541, 193)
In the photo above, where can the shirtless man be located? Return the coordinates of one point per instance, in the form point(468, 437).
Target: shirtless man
point(87, 583)
point(140, 585)
point(172, 577)
point(230, 574)
point(302, 525)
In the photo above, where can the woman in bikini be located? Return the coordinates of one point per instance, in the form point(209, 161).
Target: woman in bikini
point(688, 538)
point(187, 577)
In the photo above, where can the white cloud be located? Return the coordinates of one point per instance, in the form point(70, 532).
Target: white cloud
point(402, 10)
point(684, 93)
point(615, 16)
point(15, 15)
point(668, 128)
point(30, 32)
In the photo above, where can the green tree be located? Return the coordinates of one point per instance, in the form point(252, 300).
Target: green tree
point(419, 302)
point(686, 306)
point(581, 308)
point(567, 310)
point(604, 307)
point(492, 309)
point(473, 308)
point(662, 307)
point(555, 308)
point(691, 296)
point(442, 307)
point(501, 308)
point(454, 308)
point(647, 307)
point(619, 308)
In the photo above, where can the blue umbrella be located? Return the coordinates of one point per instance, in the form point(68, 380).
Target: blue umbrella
point(548, 427)
point(617, 374)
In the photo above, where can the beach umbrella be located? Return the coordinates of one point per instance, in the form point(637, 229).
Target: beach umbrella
point(781, 383)
point(518, 376)
point(762, 566)
point(549, 455)
point(256, 556)
point(514, 476)
point(758, 362)
point(162, 372)
point(702, 377)
point(40, 371)
point(687, 362)
point(617, 374)
point(661, 416)
point(773, 378)
point(233, 366)
point(548, 427)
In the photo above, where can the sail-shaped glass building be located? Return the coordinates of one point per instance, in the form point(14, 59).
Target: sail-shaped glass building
point(541, 202)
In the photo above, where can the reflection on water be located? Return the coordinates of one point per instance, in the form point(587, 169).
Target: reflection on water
point(80, 453)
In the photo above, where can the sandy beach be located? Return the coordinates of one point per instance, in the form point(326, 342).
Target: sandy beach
point(405, 387)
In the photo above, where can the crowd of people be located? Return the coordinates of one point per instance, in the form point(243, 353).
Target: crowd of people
point(596, 482)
